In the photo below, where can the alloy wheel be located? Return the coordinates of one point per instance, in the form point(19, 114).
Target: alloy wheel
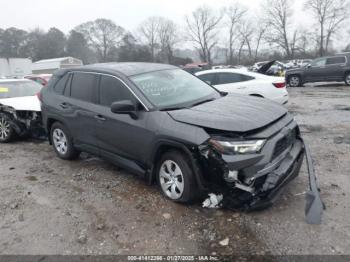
point(60, 141)
point(4, 129)
point(294, 81)
point(171, 179)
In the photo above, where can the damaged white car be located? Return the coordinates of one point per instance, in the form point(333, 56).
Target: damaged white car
point(20, 112)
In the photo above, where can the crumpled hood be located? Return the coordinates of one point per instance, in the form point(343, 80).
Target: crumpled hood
point(236, 113)
point(27, 103)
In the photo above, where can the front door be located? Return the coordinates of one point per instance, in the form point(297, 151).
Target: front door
point(316, 71)
point(120, 134)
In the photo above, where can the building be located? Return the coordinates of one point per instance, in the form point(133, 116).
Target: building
point(48, 66)
point(15, 67)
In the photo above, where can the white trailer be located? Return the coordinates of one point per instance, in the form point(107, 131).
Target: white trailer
point(15, 67)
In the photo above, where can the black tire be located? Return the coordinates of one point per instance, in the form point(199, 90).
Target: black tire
point(190, 189)
point(70, 152)
point(347, 79)
point(294, 81)
point(7, 133)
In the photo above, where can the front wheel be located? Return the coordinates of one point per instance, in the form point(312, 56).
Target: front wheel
point(62, 142)
point(347, 79)
point(175, 177)
point(294, 81)
point(6, 131)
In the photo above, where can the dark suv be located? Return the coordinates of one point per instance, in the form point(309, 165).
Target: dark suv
point(166, 125)
point(325, 69)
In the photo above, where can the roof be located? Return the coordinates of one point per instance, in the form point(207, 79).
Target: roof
point(127, 68)
point(53, 60)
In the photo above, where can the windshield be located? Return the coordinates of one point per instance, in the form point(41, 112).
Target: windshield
point(19, 89)
point(173, 88)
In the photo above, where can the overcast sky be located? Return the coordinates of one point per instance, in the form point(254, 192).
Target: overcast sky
point(66, 14)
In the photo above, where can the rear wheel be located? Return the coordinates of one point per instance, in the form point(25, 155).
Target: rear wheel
point(175, 177)
point(6, 131)
point(347, 79)
point(294, 81)
point(62, 142)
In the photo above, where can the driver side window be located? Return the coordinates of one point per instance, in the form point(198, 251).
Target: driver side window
point(112, 90)
point(318, 62)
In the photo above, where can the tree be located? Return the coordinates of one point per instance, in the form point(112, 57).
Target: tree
point(131, 51)
point(77, 46)
point(34, 44)
point(12, 42)
point(330, 16)
point(168, 38)
point(202, 27)
point(149, 34)
point(234, 14)
point(278, 15)
point(102, 35)
point(53, 44)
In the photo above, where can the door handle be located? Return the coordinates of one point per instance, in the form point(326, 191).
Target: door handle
point(100, 118)
point(64, 105)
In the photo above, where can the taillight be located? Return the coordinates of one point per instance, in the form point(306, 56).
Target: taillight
point(280, 84)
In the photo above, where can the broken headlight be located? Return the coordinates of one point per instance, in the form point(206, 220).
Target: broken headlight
point(238, 147)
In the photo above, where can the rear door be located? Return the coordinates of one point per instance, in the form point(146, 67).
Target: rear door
point(78, 107)
point(120, 134)
point(334, 66)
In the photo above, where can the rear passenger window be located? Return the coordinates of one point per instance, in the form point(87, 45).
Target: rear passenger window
point(60, 85)
point(336, 60)
point(228, 78)
point(113, 90)
point(83, 86)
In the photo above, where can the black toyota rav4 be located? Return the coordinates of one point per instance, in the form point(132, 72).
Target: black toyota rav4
point(166, 125)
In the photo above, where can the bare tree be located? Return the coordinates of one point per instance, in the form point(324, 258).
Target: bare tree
point(202, 27)
point(234, 14)
point(168, 37)
point(148, 31)
point(330, 15)
point(260, 34)
point(278, 16)
point(246, 31)
point(103, 35)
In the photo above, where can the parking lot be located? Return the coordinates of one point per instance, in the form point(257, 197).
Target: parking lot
point(88, 206)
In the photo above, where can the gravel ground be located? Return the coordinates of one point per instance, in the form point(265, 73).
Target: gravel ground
point(88, 206)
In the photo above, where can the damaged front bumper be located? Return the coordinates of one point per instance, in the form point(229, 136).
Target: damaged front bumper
point(254, 182)
point(24, 123)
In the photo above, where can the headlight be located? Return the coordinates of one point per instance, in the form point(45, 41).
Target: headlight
point(238, 147)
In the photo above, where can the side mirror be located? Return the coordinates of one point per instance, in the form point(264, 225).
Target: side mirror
point(124, 107)
point(308, 66)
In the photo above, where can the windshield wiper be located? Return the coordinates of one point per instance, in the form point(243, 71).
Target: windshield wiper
point(202, 102)
point(172, 108)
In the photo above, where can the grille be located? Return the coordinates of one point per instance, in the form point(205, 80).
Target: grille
point(284, 143)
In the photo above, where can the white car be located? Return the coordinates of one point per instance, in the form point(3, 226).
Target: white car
point(247, 83)
point(20, 112)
